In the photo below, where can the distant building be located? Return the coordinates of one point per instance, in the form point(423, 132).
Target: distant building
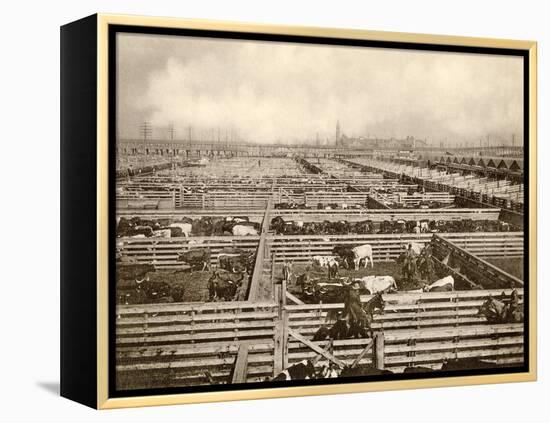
point(409, 143)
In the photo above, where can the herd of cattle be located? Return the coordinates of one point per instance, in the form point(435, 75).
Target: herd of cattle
point(242, 226)
point(343, 227)
point(227, 282)
point(137, 227)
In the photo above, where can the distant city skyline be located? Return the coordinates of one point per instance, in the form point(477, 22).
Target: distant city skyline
point(286, 93)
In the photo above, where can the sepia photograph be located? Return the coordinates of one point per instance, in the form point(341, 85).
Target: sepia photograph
point(308, 211)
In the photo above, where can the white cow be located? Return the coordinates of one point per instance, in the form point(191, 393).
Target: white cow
point(185, 228)
point(242, 230)
point(375, 284)
point(324, 261)
point(424, 226)
point(162, 233)
point(445, 284)
point(362, 252)
point(415, 247)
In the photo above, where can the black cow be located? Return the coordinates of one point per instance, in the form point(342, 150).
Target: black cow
point(224, 285)
point(153, 290)
point(133, 271)
point(363, 370)
point(198, 258)
point(299, 371)
point(339, 330)
point(233, 263)
point(467, 363)
point(346, 254)
point(417, 369)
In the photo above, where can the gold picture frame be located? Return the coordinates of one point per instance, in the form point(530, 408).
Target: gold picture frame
point(102, 23)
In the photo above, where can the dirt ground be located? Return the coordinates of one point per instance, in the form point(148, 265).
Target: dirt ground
point(195, 286)
point(513, 266)
point(381, 268)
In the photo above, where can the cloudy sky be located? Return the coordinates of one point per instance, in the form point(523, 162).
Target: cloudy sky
point(266, 92)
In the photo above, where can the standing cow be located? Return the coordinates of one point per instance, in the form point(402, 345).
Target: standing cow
point(185, 228)
point(363, 252)
point(196, 258)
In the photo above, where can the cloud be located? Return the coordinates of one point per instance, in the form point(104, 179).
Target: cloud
point(267, 92)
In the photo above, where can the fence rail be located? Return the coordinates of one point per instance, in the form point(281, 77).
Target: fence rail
point(298, 248)
point(309, 215)
point(176, 344)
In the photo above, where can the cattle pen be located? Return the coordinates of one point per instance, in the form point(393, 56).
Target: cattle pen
point(196, 341)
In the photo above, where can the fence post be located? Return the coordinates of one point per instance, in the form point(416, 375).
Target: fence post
point(379, 350)
point(284, 320)
point(278, 336)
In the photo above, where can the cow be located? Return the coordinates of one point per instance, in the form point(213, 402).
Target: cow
point(467, 363)
point(143, 231)
point(324, 261)
point(424, 226)
point(133, 271)
point(241, 219)
point(375, 284)
point(162, 233)
point(362, 252)
point(415, 247)
point(233, 262)
point(196, 258)
point(242, 230)
point(333, 268)
point(224, 285)
point(363, 370)
point(299, 371)
point(442, 285)
point(153, 290)
point(339, 330)
point(278, 224)
point(345, 253)
point(417, 369)
point(185, 228)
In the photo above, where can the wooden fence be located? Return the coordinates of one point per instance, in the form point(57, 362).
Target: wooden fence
point(406, 200)
point(163, 252)
point(183, 344)
point(300, 248)
point(178, 344)
point(306, 215)
point(472, 264)
point(262, 253)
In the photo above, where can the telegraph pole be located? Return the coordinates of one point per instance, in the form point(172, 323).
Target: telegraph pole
point(171, 131)
point(146, 132)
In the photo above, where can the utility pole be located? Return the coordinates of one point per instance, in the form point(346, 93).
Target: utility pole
point(171, 131)
point(146, 132)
